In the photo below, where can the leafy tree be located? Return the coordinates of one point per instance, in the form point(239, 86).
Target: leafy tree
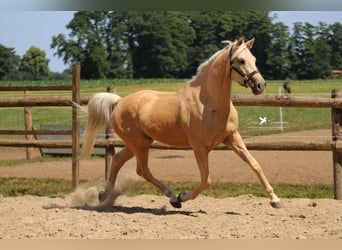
point(211, 28)
point(8, 62)
point(322, 55)
point(34, 64)
point(128, 26)
point(214, 26)
point(138, 44)
point(57, 76)
point(334, 36)
point(95, 65)
point(120, 44)
point(311, 56)
point(256, 24)
point(278, 63)
point(160, 43)
point(89, 33)
point(98, 41)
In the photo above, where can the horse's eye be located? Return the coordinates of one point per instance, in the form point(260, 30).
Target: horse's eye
point(241, 61)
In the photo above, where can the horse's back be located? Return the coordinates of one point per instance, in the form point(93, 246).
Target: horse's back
point(152, 113)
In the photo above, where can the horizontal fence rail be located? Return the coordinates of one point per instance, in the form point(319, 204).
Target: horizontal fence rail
point(287, 101)
point(251, 145)
point(35, 132)
point(39, 101)
point(35, 88)
point(263, 100)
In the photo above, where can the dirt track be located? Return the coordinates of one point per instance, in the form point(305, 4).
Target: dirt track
point(148, 216)
point(151, 217)
point(178, 165)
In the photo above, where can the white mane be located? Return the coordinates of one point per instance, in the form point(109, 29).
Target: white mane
point(203, 65)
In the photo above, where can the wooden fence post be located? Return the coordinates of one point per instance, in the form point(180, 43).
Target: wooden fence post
point(28, 126)
point(76, 79)
point(110, 150)
point(336, 122)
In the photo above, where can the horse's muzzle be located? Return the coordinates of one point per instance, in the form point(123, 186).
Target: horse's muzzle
point(257, 85)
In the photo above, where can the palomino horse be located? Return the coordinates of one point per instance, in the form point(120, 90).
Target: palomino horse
point(199, 116)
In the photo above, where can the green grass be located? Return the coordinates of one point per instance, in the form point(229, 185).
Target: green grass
point(16, 162)
point(295, 119)
point(13, 118)
point(222, 190)
point(12, 187)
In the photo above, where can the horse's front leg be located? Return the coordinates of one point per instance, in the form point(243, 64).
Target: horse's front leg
point(118, 160)
point(144, 171)
point(235, 142)
point(201, 155)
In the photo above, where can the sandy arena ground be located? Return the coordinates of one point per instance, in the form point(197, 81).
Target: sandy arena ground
point(152, 217)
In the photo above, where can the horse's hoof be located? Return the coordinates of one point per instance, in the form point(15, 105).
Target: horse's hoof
point(176, 204)
point(101, 196)
point(275, 204)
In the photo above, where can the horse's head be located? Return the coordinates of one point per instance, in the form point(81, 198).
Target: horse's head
point(243, 68)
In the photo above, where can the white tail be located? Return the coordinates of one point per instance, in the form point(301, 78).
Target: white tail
point(100, 108)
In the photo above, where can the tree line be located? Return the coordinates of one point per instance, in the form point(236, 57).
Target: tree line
point(171, 44)
point(32, 66)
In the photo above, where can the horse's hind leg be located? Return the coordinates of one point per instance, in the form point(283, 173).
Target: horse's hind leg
point(118, 160)
point(235, 142)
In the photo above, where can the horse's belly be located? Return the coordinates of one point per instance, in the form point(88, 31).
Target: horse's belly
point(170, 135)
point(175, 142)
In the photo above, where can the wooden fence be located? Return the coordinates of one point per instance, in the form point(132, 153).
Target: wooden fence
point(28, 101)
point(334, 145)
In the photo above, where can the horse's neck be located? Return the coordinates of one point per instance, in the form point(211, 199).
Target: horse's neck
point(215, 86)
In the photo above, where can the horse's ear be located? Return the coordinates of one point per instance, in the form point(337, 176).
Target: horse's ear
point(250, 43)
point(240, 41)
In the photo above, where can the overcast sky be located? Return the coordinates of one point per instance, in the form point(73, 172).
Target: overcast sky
point(22, 29)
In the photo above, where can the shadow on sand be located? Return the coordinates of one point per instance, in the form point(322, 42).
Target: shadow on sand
point(129, 210)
